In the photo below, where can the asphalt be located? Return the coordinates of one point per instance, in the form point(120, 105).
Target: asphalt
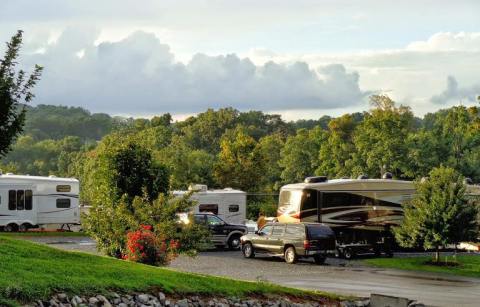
point(338, 276)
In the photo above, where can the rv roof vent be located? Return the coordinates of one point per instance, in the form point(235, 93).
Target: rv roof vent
point(362, 176)
point(228, 189)
point(467, 181)
point(198, 187)
point(316, 179)
point(52, 176)
point(387, 175)
point(9, 174)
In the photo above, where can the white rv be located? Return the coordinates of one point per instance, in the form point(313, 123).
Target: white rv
point(34, 201)
point(229, 204)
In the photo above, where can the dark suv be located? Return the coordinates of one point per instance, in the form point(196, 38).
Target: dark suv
point(291, 241)
point(223, 234)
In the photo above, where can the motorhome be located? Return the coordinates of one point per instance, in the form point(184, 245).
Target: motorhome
point(360, 211)
point(34, 201)
point(229, 204)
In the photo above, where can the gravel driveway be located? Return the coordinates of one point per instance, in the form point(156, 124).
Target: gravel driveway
point(338, 276)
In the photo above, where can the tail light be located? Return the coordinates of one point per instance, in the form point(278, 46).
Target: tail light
point(306, 244)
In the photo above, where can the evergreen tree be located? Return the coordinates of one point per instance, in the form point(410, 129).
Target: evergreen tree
point(439, 213)
point(15, 89)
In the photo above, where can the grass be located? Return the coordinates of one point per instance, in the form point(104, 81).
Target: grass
point(31, 271)
point(44, 234)
point(469, 265)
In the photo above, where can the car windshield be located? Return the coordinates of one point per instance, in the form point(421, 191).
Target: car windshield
point(319, 231)
point(265, 231)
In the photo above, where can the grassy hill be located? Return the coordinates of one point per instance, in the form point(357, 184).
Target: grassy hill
point(32, 271)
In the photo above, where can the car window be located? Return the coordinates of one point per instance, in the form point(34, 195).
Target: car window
point(200, 219)
point(267, 230)
point(214, 220)
point(319, 231)
point(278, 230)
point(294, 230)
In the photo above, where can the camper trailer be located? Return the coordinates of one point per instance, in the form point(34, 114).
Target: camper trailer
point(360, 211)
point(34, 201)
point(229, 204)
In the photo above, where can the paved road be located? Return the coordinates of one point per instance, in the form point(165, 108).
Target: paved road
point(339, 276)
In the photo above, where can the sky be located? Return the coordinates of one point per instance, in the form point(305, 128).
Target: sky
point(301, 59)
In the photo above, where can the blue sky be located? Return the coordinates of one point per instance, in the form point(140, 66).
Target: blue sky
point(300, 58)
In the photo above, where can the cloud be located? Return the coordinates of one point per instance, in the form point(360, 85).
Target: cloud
point(456, 94)
point(140, 75)
point(448, 41)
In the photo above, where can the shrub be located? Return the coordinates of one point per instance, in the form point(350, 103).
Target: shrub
point(145, 247)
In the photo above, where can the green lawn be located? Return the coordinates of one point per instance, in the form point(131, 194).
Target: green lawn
point(31, 271)
point(469, 264)
point(44, 234)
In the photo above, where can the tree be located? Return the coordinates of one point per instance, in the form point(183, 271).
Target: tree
point(336, 153)
point(270, 147)
point(439, 214)
point(240, 163)
point(299, 156)
point(15, 89)
point(380, 139)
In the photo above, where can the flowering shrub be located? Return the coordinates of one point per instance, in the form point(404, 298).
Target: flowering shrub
point(144, 246)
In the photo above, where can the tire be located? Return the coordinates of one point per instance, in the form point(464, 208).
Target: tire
point(248, 251)
point(348, 254)
point(234, 242)
point(24, 227)
point(290, 255)
point(319, 259)
point(10, 228)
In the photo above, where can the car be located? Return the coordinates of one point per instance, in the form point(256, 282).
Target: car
point(223, 234)
point(291, 241)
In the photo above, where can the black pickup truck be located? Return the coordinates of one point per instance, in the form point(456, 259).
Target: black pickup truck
point(222, 233)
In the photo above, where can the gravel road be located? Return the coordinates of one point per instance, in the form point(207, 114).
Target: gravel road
point(339, 276)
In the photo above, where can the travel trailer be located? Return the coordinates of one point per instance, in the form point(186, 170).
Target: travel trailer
point(34, 201)
point(360, 211)
point(229, 204)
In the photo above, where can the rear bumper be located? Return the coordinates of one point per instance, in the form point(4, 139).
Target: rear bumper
point(318, 252)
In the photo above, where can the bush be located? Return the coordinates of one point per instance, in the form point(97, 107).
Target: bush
point(145, 247)
point(268, 207)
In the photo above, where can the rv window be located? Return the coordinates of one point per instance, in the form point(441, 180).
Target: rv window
point(12, 200)
point(28, 199)
point(208, 208)
point(64, 188)
point(233, 208)
point(63, 203)
point(348, 199)
point(20, 200)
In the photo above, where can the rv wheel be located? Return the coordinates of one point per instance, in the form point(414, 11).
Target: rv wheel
point(24, 227)
point(348, 254)
point(10, 228)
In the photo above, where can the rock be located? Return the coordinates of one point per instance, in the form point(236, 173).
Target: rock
point(143, 298)
point(182, 303)
point(93, 301)
point(167, 303)
point(62, 297)
point(161, 297)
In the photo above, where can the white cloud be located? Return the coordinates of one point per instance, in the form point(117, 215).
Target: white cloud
point(448, 41)
point(139, 74)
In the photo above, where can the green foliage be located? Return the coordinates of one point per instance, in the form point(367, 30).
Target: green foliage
point(240, 163)
point(299, 156)
point(15, 88)
point(439, 213)
point(267, 205)
point(380, 139)
point(335, 153)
